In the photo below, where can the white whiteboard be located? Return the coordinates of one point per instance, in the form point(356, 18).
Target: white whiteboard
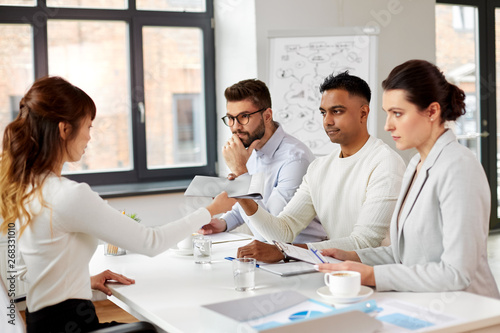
point(299, 63)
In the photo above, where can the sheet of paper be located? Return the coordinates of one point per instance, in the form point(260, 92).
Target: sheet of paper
point(305, 310)
point(399, 316)
point(245, 186)
point(303, 254)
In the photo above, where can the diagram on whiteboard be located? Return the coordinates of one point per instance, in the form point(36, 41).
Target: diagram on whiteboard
point(298, 66)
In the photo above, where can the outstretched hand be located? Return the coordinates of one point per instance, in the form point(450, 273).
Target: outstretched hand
point(98, 281)
point(214, 227)
point(221, 204)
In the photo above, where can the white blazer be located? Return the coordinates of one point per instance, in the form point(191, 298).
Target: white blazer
point(440, 244)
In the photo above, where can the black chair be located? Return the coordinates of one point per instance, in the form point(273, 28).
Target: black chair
point(139, 327)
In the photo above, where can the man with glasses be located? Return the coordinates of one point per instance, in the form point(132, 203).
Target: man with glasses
point(259, 145)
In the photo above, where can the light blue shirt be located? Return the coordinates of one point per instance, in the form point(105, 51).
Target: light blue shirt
point(283, 161)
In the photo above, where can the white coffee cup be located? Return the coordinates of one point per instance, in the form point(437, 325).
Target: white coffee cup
point(343, 283)
point(187, 243)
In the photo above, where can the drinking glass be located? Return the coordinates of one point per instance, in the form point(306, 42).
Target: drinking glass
point(202, 250)
point(244, 273)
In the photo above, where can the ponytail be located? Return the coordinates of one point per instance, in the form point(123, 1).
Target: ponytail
point(32, 145)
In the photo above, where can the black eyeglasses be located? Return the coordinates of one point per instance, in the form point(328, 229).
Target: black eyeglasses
point(243, 118)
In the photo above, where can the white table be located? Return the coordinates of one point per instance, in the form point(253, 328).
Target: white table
point(170, 290)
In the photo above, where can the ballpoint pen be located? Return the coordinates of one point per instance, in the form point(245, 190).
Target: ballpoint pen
point(317, 254)
point(232, 258)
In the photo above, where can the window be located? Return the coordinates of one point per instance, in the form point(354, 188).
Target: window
point(456, 56)
point(173, 69)
point(147, 64)
point(16, 69)
point(464, 18)
point(468, 52)
point(188, 141)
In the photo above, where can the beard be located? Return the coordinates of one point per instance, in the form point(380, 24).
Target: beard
point(255, 135)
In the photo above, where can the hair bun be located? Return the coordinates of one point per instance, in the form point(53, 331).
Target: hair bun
point(456, 103)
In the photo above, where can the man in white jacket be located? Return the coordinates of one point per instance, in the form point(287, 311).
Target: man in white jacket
point(353, 190)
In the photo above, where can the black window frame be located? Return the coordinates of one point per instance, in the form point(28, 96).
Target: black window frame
point(38, 15)
point(487, 93)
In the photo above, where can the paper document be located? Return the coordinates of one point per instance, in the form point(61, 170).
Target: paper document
point(307, 255)
point(398, 316)
point(244, 187)
point(302, 311)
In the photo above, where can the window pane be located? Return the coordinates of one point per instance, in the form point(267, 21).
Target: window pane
point(175, 114)
point(93, 55)
point(17, 2)
point(108, 4)
point(172, 5)
point(16, 69)
point(456, 56)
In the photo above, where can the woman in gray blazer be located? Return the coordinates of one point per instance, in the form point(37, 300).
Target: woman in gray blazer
point(440, 224)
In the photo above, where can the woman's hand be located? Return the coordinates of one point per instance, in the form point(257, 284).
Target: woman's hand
point(341, 254)
point(221, 204)
point(98, 281)
point(367, 273)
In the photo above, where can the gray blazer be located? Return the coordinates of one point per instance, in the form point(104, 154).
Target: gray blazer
point(441, 241)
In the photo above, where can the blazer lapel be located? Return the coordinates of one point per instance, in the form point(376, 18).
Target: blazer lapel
point(419, 183)
point(395, 228)
point(412, 196)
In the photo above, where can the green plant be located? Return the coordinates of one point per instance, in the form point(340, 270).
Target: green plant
point(134, 217)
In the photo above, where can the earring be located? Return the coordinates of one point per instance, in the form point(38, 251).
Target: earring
point(432, 119)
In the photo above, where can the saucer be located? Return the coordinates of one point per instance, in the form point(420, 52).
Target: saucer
point(182, 252)
point(364, 292)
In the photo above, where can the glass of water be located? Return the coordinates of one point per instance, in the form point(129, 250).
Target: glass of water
point(244, 273)
point(202, 250)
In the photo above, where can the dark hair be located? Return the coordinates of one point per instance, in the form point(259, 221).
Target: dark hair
point(32, 144)
point(252, 89)
point(424, 84)
point(352, 84)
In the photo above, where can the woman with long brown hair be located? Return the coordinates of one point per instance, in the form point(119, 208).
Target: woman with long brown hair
point(60, 221)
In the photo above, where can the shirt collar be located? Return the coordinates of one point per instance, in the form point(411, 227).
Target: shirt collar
point(272, 144)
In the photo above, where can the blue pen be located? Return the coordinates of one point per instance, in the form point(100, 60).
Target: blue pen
point(316, 253)
point(232, 258)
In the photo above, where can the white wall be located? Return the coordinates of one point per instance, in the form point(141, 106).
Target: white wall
point(407, 31)
point(160, 208)
point(235, 55)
